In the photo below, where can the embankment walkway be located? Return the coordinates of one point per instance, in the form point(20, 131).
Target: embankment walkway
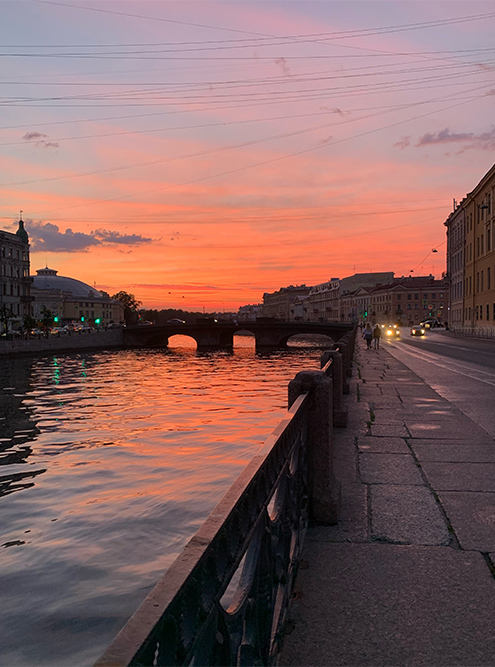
point(407, 576)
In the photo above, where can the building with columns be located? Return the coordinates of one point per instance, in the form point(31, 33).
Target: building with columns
point(72, 300)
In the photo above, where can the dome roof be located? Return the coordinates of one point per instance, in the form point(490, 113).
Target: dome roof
point(21, 232)
point(47, 279)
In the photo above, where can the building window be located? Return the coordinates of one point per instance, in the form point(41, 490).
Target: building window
point(488, 278)
point(482, 281)
point(409, 306)
point(416, 306)
point(416, 296)
point(409, 296)
point(487, 311)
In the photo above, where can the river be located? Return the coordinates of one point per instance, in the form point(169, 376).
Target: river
point(110, 462)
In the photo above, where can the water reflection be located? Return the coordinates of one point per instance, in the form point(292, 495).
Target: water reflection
point(17, 428)
point(120, 457)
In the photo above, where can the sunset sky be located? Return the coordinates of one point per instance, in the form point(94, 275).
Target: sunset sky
point(198, 154)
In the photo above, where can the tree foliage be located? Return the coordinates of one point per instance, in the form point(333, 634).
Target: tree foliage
point(131, 305)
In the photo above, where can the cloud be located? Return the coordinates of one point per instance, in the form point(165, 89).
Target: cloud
point(40, 140)
point(334, 110)
point(283, 64)
point(47, 237)
point(403, 143)
point(469, 140)
point(107, 236)
point(29, 136)
point(181, 288)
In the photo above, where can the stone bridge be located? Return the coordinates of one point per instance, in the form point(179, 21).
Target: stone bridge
point(210, 334)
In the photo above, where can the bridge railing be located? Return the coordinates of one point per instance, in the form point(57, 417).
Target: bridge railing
point(225, 599)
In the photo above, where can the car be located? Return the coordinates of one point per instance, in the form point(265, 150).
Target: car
point(418, 330)
point(58, 331)
point(392, 331)
point(176, 320)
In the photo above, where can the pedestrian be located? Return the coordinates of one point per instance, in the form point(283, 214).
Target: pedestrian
point(377, 332)
point(368, 335)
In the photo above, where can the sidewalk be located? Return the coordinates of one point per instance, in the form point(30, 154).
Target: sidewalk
point(407, 576)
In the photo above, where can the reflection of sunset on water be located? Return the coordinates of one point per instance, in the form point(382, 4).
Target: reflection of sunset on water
point(122, 457)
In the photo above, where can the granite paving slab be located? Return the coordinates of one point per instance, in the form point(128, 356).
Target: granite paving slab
point(453, 452)
point(381, 402)
point(445, 476)
point(389, 430)
point(353, 521)
point(407, 515)
point(454, 427)
point(472, 516)
point(386, 605)
point(369, 443)
point(389, 469)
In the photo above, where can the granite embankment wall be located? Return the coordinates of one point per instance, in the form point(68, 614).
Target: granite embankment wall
point(73, 343)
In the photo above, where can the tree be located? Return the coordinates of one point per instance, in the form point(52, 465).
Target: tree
point(6, 314)
point(131, 305)
point(47, 317)
point(29, 322)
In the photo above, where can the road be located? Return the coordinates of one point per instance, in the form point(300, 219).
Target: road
point(462, 370)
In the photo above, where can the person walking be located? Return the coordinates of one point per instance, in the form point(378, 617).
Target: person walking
point(377, 333)
point(368, 335)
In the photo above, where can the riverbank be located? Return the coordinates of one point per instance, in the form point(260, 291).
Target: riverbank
point(95, 340)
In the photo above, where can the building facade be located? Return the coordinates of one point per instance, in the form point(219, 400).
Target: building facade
point(15, 296)
point(407, 301)
point(456, 226)
point(471, 260)
point(322, 302)
point(278, 304)
point(71, 300)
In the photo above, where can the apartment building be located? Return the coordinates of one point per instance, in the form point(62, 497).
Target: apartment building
point(15, 296)
point(479, 263)
point(456, 226)
point(407, 301)
point(278, 304)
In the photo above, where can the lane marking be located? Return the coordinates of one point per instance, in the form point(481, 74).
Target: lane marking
point(433, 358)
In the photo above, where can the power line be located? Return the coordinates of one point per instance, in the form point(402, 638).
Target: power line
point(257, 164)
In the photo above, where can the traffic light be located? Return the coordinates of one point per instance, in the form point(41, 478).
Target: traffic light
point(82, 318)
point(55, 319)
point(366, 313)
point(97, 321)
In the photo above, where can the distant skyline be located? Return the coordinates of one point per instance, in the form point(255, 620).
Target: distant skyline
point(198, 154)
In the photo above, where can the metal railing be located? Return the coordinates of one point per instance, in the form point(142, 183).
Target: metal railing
point(225, 599)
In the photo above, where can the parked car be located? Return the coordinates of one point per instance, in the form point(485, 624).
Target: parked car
point(58, 331)
point(418, 330)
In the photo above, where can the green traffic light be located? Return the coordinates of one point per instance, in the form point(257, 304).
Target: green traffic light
point(82, 318)
point(55, 319)
point(97, 321)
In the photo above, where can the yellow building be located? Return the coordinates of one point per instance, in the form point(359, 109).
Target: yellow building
point(72, 300)
point(479, 264)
